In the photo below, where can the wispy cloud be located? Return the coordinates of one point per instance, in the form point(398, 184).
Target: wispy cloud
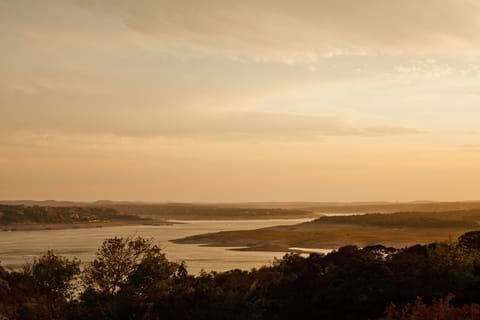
point(302, 31)
point(54, 86)
point(278, 99)
point(471, 147)
point(220, 125)
point(23, 88)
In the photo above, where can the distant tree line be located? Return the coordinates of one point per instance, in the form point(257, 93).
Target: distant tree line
point(20, 214)
point(198, 211)
point(130, 278)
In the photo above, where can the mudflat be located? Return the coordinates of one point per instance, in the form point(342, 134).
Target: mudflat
point(395, 230)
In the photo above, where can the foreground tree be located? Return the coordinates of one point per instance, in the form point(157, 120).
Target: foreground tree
point(121, 258)
point(440, 309)
point(124, 277)
point(54, 274)
point(470, 240)
point(48, 286)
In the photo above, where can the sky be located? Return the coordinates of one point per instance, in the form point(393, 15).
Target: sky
point(228, 101)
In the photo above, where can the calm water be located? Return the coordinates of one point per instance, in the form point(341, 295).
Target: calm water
point(17, 247)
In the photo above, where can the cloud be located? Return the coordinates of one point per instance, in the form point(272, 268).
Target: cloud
point(49, 85)
point(471, 147)
point(219, 125)
point(27, 89)
point(263, 124)
point(301, 31)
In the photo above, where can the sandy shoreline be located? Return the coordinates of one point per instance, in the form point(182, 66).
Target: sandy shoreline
point(282, 238)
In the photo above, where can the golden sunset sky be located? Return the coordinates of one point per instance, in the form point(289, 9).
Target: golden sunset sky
point(219, 100)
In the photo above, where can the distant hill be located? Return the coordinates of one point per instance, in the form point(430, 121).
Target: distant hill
point(389, 207)
point(209, 212)
point(254, 210)
point(445, 219)
point(44, 203)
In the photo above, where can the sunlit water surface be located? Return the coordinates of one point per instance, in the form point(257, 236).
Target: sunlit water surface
point(18, 247)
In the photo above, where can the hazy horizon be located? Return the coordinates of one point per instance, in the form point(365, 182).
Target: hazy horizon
point(227, 101)
point(161, 202)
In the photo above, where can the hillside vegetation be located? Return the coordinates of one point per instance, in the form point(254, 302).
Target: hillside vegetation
point(21, 214)
point(391, 207)
point(209, 212)
point(448, 219)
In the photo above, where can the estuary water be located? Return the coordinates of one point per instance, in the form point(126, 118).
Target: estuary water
point(18, 247)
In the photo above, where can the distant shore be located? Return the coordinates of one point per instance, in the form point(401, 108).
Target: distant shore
point(83, 225)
